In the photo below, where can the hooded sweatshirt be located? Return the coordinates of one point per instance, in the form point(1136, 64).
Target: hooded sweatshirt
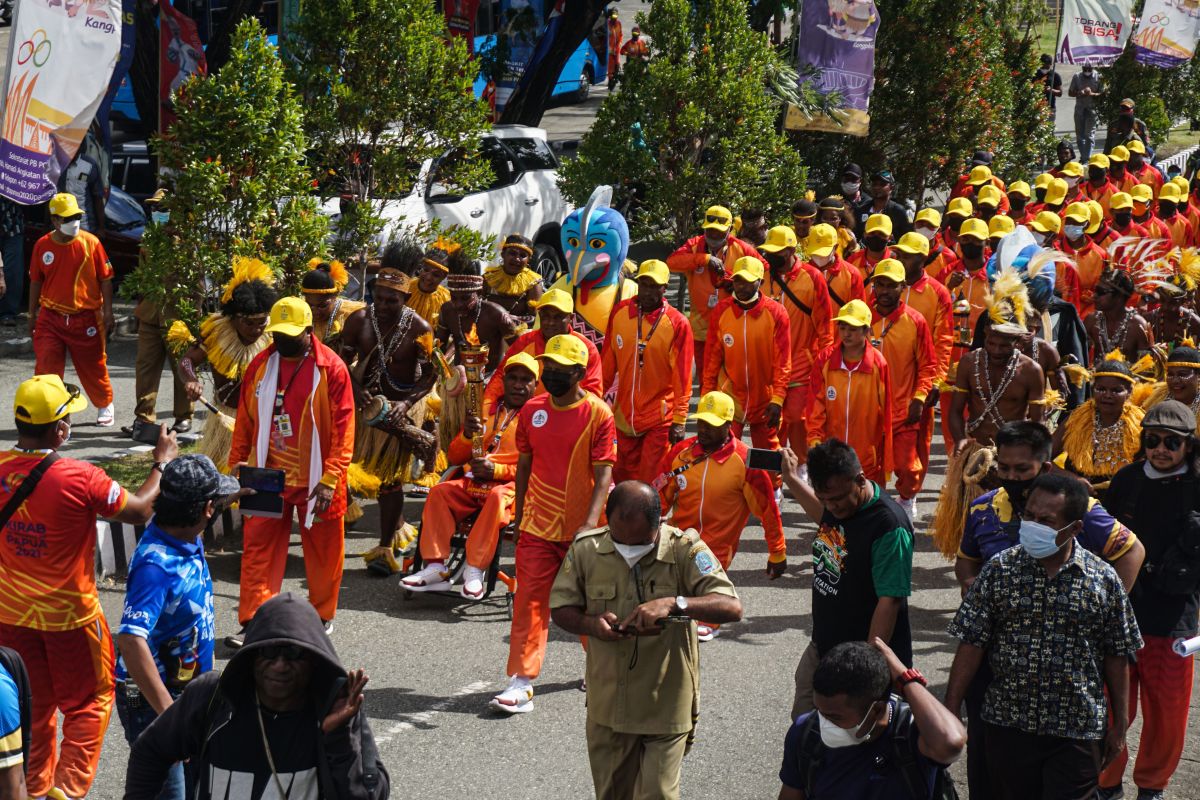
point(213, 723)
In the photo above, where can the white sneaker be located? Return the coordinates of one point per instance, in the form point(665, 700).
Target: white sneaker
point(105, 417)
point(910, 507)
point(432, 578)
point(706, 633)
point(516, 699)
point(472, 587)
point(779, 496)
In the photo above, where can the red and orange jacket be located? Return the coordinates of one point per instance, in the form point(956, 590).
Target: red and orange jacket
point(1155, 227)
point(534, 343)
point(904, 339)
point(975, 289)
point(706, 289)
point(1090, 261)
point(1127, 182)
point(716, 495)
point(843, 281)
point(811, 329)
point(1105, 235)
point(851, 402)
point(1101, 195)
point(750, 356)
point(649, 358)
point(931, 299)
point(865, 263)
point(1182, 232)
point(941, 262)
point(499, 442)
point(1149, 176)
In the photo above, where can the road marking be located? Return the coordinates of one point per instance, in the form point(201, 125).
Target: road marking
point(411, 721)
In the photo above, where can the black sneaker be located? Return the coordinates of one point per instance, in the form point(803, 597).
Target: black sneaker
point(236, 641)
point(1150, 794)
point(1111, 793)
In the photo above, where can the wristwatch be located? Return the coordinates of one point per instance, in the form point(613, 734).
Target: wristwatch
point(911, 675)
point(160, 466)
point(681, 604)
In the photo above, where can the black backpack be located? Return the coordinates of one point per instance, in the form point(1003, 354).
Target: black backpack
point(904, 756)
point(15, 667)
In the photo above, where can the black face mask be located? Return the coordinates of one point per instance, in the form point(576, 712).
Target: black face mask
point(1017, 490)
point(875, 244)
point(557, 383)
point(1122, 218)
point(774, 260)
point(1096, 174)
point(1018, 205)
point(971, 251)
point(289, 347)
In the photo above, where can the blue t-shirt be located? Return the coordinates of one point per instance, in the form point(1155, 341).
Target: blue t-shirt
point(10, 721)
point(863, 772)
point(169, 597)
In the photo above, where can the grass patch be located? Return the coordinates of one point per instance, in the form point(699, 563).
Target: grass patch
point(1178, 139)
point(132, 470)
point(1046, 36)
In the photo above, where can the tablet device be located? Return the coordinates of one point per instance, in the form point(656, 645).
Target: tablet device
point(770, 460)
point(267, 500)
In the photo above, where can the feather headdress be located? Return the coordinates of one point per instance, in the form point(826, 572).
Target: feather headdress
point(1008, 303)
point(247, 269)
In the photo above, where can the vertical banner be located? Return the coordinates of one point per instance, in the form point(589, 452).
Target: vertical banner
point(837, 40)
point(1166, 36)
point(180, 55)
point(460, 20)
point(61, 56)
point(124, 61)
point(522, 23)
point(1093, 31)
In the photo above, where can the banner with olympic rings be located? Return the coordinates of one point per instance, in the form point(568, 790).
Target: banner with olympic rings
point(1166, 36)
point(61, 56)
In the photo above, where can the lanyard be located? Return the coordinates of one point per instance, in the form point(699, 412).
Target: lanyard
point(279, 394)
point(641, 343)
point(499, 428)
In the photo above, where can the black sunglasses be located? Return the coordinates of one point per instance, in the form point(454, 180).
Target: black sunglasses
point(1171, 441)
point(716, 218)
point(288, 652)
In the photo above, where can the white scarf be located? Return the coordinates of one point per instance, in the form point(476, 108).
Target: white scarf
point(265, 393)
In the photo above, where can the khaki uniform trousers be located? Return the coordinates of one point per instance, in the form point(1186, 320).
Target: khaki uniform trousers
point(632, 766)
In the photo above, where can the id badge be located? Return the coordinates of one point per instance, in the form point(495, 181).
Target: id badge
point(283, 425)
point(713, 300)
point(877, 344)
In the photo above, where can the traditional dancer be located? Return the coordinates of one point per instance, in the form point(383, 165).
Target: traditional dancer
point(511, 284)
point(322, 288)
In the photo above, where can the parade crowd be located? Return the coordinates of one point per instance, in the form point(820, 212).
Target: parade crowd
point(1043, 329)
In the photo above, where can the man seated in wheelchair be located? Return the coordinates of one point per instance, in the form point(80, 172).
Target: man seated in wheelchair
point(486, 488)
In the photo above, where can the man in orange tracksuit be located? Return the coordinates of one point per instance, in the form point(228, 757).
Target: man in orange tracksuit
point(800, 288)
point(1118, 172)
point(707, 261)
point(296, 414)
point(648, 358)
point(1098, 186)
point(487, 488)
point(70, 304)
point(1170, 198)
point(851, 394)
point(902, 335)
point(566, 445)
point(1143, 212)
point(707, 482)
point(554, 311)
point(1142, 170)
point(843, 281)
point(751, 355)
point(1090, 258)
point(942, 260)
point(969, 289)
point(876, 236)
point(615, 35)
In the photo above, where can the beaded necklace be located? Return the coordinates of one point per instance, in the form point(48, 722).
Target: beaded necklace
point(982, 379)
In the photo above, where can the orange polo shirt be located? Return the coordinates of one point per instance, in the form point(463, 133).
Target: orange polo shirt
point(566, 444)
point(703, 288)
point(865, 263)
point(499, 443)
point(649, 357)
point(1182, 232)
point(849, 401)
point(534, 343)
point(753, 363)
point(717, 494)
point(48, 553)
point(812, 330)
point(907, 347)
point(1101, 195)
point(843, 282)
point(1089, 263)
point(931, 299)
point(1193, 217)
point(70, 273)
point(1126, 183)
point(1149, 176)
point(941, 262)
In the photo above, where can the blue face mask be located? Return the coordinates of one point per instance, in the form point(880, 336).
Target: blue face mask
point(160, 217)
point(1040, 541)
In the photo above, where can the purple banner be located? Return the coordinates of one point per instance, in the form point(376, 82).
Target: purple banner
point(837, 39)
point(24, 177)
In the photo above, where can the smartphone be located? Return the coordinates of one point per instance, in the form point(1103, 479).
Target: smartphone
point(146, 433)
point(267, 500)
point(770, 460)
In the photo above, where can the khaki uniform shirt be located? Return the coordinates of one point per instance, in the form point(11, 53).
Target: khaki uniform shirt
point(659, 695)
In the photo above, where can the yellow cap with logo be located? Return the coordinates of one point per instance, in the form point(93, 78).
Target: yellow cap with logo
point(913, 243)
point(1077, 212)
point(523, 359)
point(1169, 191)
point(748, 268)
point(1120, 154)
point(64, 204)
point(1047, 222)
point(45, 398)
point(1098, 160)
point(855, 313)
point(1136, 146)
point(557, 298)
point(879, 223)
point(821, 240)
point(715, 408)
point(1056, 192)
point(961, 207)
point(1072, 169)
point(290, 316)
point(976, 228)
point(1142, 193)
point(1043, 180)
point(998, 226)
point(988, 196)
point(781, 237)
point(566, 349)
point(1120, 201)
point(655, 270)
point(980, 175)
point(888, 268)
point(930, 216)
point(718, 218)
point(1021, 188)
point(1095, 216)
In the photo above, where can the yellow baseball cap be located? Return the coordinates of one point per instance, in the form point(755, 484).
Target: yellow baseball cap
point(748, 268)
point(655, 270)
point(930, 216)
point(1047, 222)
point(1098, 160)
point(855, 313)
point(1021, 188)
point(1095, 216)
point(64, 204)
point(1078, 212)
point(912, 243)
point(523, 359)
point(566, 349)
point(976, 228)
point(1120, 153)
point(45, 398)
point(1182, 183)
point(960, 206)
point(1056, 192)
point(1136, 146)
point(290, 316)
point(1043, 180)
point(821, 240)
point(781, 237)
point(879, 223)
point(980, 175)
point(1072, 169)
point(718, 218)
point(998, 226)
point(1120, 200)
point(1169, 191)
point(1142, 193)
point(888, 268)
point(988, 196)
point(557, 298)
point(715, 408)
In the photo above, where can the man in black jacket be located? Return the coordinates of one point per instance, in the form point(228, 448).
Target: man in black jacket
point(284, 712)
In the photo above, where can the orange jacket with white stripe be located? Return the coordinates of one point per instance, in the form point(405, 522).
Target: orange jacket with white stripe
point(907, 346)
point(931, 299)
point(844, 283)
point(811, 328)
point(649, 358)
point(705, 288)
point(851, 402)
point(1090, 261)
point(750, 356)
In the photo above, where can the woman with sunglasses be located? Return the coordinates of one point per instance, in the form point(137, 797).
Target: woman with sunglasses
point(1182, 381)
point(1158, 498)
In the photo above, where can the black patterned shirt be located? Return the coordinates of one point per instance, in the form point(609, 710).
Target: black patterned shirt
point(12, 220)
point(1046, 640)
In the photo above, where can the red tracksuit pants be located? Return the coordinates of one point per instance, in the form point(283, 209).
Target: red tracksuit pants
point(82, 335)
point(264, 557)
point(640, 457)
point(452, 501)
point(537, 563)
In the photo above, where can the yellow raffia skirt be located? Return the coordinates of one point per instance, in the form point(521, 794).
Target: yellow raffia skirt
point(217, 437)
point(383, 460)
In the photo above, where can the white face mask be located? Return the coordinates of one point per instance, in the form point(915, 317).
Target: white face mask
point(1073, 231)
point(928, 233)
point(632, 553)
point(70, 229)
point(823, 261)
point(833, 736)
point(850, 189)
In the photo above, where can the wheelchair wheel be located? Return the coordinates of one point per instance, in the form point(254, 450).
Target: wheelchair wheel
point(508, 605)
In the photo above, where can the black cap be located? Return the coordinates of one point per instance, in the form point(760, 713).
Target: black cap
point(192, 478)
point(981, 157)
point(1172, 415)
point(852, 169)
point(884, 175)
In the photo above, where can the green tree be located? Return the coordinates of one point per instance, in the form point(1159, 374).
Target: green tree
point(1162, 95)
point(695, 125)
point(384, 88)
point(238, 183)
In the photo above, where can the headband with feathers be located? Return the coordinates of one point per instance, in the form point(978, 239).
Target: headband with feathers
point(244, 270)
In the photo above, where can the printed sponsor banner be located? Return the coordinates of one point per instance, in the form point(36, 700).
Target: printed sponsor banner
point(1094, 31)
point(1167, 33)
point(61, 58)
point(837, 39)
point(180, 55)
point(460, 19)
